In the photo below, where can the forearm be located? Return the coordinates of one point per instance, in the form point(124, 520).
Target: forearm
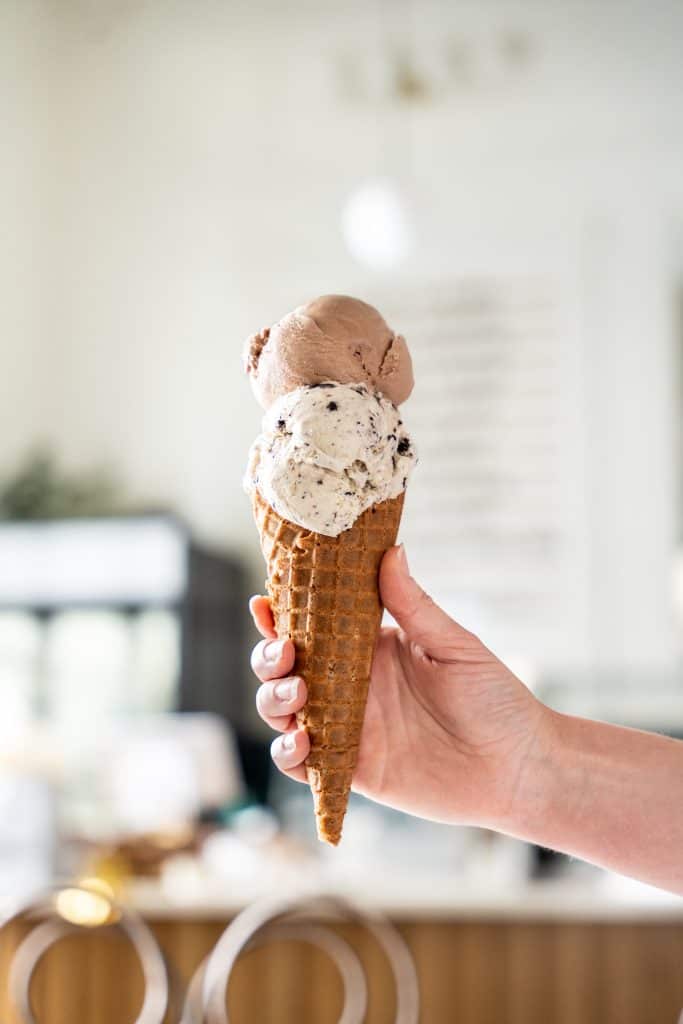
point(609, 795)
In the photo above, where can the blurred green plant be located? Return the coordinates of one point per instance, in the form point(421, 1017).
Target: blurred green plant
point(39, 489)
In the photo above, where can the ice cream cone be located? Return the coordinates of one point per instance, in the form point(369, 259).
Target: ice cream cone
point(324, 595)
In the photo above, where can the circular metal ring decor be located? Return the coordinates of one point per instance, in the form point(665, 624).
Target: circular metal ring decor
point(304, 920)
point(76, 909)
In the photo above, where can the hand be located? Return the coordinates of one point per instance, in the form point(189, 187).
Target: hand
point(448, 729)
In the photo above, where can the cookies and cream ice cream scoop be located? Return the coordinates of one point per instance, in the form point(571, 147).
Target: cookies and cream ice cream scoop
point(327, 453)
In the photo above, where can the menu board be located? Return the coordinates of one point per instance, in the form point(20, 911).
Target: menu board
point(493, 514)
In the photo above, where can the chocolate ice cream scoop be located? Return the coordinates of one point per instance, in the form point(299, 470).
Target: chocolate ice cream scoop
point(333, 338)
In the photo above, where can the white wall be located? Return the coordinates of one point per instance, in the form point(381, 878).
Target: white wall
point(25, 238)
point(193, 160)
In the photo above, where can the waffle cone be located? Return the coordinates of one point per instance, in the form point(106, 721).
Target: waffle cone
point(324, 594)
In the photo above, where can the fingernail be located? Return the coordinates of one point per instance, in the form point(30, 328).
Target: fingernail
point(403, 559)
point(287, 742)
point(285, 692)
point(272, 651)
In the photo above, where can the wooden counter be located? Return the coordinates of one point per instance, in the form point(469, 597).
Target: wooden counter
point(484, 971)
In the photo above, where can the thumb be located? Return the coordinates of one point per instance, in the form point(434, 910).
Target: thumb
point(421, 619)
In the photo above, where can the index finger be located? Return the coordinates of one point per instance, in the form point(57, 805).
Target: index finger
point(263, 617)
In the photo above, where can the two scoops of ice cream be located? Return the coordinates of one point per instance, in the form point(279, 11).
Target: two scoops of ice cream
point(327, 477)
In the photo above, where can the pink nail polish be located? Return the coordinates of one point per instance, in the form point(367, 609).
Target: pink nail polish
point(272, 651)
point(285, 692)
point(287, 742)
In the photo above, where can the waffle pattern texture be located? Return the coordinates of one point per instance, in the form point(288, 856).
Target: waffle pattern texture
point(324, 594)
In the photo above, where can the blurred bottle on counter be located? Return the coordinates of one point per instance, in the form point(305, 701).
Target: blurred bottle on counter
point(155, 660)
point(27, 838)
point(27, 804)
point(20, 653)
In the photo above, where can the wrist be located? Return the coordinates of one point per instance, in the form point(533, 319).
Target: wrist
point(537, 777)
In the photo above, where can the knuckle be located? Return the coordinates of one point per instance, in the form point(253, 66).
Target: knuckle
point(422, 603)
point(426, 601)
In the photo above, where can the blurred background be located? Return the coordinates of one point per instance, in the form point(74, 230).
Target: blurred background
point(504, 181)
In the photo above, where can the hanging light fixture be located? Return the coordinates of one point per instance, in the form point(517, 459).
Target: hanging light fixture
point(375, 224)
point(377, 217)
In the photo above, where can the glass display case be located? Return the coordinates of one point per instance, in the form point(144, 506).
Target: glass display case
point(103, 616)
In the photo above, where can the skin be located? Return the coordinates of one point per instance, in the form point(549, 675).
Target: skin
point(451, 734)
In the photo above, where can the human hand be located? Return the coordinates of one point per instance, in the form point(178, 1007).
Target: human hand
point(448, 729)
